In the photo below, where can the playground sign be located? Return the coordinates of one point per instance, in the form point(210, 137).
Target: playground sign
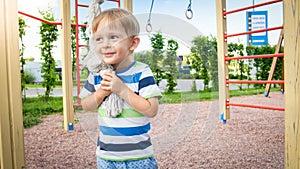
point(257, 20)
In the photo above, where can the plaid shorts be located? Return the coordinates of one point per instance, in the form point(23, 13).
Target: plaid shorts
point(148, 163)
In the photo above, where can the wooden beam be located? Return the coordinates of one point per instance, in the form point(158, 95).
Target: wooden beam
point(11, 120)
point(67, 82)
point(292, 82)
point(128, 5)
point(274, 62)
point(222, 51)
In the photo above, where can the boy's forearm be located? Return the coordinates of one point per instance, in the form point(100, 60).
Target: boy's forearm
point(92, 102)
point(89, 103)
point(147, 107)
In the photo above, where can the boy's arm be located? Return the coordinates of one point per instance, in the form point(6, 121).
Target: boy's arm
point(147, 107)
point(92, 101)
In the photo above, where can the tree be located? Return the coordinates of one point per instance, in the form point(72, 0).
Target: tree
point(84, 71)
point(30, 59)
point(200, 70)
point(263, 65)
point(73, 44)
point(143, 56)
point(169, 60)
point(238, 49)
point(213, 60)
point(22, 32)
point(48, 37)
point(204, 59)
point(157, 43)
point(84, 36)
point(170, 67)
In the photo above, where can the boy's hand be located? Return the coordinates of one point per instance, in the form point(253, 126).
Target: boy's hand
point(103, 92)
point(111, 82)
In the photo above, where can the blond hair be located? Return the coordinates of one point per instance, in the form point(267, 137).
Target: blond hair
point(115, 16)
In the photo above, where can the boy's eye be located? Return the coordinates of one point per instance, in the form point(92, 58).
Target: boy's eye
point(114, 37)
point(99, 39)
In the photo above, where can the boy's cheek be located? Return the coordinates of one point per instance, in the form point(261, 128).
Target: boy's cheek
point(98, 49)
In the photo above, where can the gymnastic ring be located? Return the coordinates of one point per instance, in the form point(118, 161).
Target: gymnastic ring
point(189, 14)
point(148, 27)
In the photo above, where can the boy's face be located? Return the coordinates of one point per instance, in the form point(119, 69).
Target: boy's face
point(112, 43)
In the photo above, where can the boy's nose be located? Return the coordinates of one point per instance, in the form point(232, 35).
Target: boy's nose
point(106, 43)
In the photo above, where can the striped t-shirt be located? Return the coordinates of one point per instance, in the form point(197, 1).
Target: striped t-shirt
point(125, 137)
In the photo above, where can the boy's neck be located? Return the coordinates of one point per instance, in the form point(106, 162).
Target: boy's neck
point(124, 64)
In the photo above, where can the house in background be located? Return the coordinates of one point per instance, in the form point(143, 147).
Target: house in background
point(34, 68)
point(182, 69)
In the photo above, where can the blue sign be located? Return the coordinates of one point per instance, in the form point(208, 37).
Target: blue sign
point(257, 20)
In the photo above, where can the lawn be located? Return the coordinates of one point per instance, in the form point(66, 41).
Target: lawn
point(34, 109)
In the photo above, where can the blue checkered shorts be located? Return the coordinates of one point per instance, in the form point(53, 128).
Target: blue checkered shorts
point(148, 163)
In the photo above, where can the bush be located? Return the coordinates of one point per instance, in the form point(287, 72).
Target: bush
point(28, 78)
point(58, 83)
point(194, 86)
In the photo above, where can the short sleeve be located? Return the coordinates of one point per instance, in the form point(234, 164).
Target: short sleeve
point(88, 87)
point(147, 84)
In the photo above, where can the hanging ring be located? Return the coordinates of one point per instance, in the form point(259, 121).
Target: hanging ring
point(189, 13)
point(149, 27)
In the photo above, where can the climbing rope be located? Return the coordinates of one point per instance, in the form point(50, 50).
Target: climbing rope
point(94, 10)
point(149, 26)
point(189, 12)
point(113, 103)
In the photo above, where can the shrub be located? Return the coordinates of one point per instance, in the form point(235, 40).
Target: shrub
point(28, 78)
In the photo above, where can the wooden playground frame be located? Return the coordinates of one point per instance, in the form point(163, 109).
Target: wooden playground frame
point(12, 154)
point(223, 59)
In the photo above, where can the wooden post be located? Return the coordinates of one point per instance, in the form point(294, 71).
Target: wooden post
point(222, 51)
point(11, 120)
point(67, 83)
point(128, 5)
point(292, 83)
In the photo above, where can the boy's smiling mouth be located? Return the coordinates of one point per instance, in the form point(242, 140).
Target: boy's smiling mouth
point(109, 54)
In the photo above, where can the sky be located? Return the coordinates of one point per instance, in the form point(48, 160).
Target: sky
point(168, 17)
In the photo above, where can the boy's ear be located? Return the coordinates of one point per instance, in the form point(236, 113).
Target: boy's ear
point(135, 42)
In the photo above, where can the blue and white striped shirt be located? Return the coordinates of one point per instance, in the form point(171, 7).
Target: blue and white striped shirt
point(125, 137)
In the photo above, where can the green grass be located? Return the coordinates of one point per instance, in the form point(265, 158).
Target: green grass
point(33, 86)
point(179, 97)
point(34, 109)
point(57, 85)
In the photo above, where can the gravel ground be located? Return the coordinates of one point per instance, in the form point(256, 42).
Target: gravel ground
point(187, 135)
